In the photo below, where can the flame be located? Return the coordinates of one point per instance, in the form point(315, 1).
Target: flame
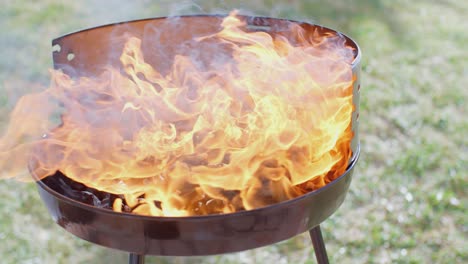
point(265, 121)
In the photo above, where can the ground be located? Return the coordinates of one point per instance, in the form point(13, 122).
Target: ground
point(408, 198)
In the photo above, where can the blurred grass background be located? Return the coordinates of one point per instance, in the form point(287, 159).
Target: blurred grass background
point(408, 199)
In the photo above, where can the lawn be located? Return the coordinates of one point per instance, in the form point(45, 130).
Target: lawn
point(408, 199)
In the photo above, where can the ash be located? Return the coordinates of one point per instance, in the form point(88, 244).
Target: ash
point(79, 192)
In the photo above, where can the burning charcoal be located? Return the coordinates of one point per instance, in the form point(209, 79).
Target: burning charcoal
point(117, 206)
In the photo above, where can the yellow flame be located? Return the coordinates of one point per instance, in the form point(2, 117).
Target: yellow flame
point(268, 122)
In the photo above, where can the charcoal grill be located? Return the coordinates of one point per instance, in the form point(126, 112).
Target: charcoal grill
point(82, 53)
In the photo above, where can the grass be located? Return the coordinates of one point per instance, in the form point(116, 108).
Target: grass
point(408, 200)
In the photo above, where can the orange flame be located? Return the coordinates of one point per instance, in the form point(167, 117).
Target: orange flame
point(268, 121)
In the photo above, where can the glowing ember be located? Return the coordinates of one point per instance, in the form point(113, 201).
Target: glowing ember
point(246, 120)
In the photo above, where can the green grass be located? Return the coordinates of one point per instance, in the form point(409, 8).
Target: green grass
point(408, 199)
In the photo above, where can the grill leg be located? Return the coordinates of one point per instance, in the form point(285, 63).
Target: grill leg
point(136, 259)
point(319, 245)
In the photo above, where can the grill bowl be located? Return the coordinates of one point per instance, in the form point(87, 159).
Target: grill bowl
point(194, 235)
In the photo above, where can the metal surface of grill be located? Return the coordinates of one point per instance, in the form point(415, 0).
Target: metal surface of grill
point(81, 53)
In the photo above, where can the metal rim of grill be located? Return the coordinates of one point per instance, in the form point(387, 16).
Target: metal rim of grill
point(194, 235)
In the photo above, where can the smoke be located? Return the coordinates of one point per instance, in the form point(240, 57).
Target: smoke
point(197, 102)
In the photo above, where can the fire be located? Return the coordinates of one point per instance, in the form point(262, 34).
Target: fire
point(256, 119)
